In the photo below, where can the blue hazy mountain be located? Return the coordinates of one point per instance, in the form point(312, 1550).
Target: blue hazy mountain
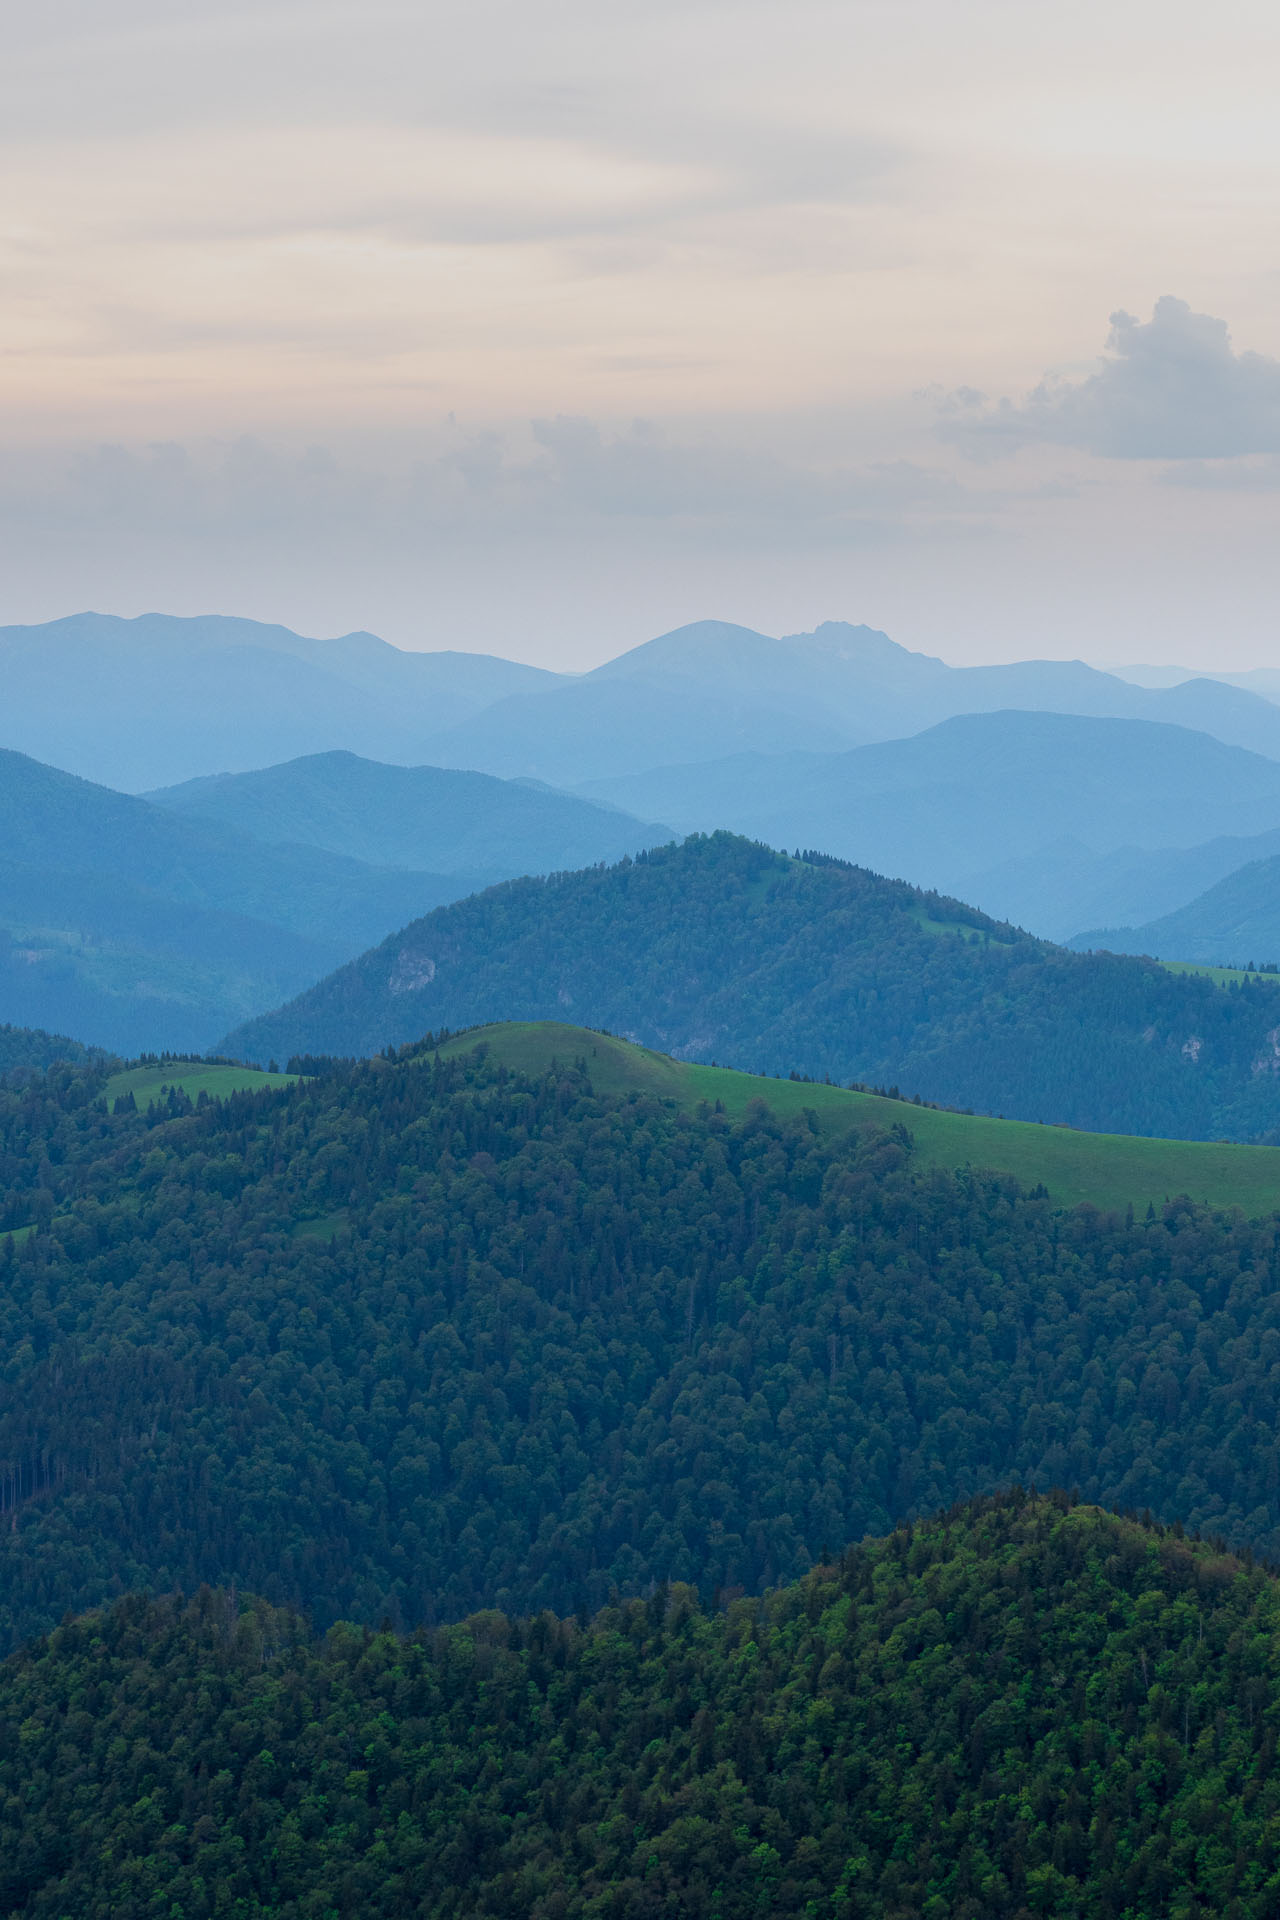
point(150, 702)
point(132, 927)
point(141, 927)
point(711, 690)
point(1264, 681)
point(143, 703)
point(431, 818)
point(1061, 888)
point(1230, 924)
point(982, 791)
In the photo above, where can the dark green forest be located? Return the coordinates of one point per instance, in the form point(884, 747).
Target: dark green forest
point(27, 1049)
point(720, 949)
point(1019, 1708)
point(420, 1336)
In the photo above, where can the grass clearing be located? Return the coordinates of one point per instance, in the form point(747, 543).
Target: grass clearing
point(323, 1227)
point(1108, 1170)
point(615, 1066)
point(194, 1077)
point(1221, 976)
point(973, 935)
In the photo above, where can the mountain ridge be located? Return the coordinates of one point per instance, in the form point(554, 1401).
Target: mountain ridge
point(1238, 916)
point(722, 949)
point(424, 818)
point(150, 702)
point(934, 806)
point(143, 927)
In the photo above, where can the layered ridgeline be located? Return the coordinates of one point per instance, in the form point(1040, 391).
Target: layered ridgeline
point(418, 1336)
point(143, 927)
point(457, 823)
point(138, 703)
point(146, 702)
point(1235, 923)
point(723, 950)
point(1056, 821)
point(1046, 792)
point(1016, 1709)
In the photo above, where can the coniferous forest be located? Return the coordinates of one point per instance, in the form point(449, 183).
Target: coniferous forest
point(463, 1465)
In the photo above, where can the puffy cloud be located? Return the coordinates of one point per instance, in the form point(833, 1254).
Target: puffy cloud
point(1171, 388)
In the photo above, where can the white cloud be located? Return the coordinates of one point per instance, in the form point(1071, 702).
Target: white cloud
point(1170, 388)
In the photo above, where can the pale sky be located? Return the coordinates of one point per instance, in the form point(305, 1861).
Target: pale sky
point(541, 328)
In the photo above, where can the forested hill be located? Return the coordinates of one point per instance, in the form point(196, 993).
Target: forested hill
point(1016, 1709)
point(32, 1049)
point(418, 1336)
point(720, 949)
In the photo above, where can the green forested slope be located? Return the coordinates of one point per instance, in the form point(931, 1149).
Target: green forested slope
point(414, 1338)
point(1016, 1709)
point(721, 950)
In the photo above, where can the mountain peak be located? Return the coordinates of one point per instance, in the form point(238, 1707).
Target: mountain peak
point(850, 641)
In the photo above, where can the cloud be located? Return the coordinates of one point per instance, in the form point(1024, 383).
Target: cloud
point(1171, 388)
point(546, 479)
point(1255, 475)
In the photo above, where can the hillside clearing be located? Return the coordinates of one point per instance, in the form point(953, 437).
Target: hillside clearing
point(192, 1077)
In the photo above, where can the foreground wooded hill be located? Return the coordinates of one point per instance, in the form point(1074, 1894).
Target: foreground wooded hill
point(415, 1337)
point(721, 949)
point(1016, 1709)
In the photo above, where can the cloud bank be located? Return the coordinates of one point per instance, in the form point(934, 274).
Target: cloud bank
point(1171, 388)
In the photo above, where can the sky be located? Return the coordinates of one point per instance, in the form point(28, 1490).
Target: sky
point(541, 328)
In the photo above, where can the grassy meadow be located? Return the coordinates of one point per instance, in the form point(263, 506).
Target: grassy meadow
point(193, 1077)
point(1104, 1169)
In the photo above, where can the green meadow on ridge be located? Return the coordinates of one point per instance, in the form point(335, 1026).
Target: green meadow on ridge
point(148, 1080)
point(1105, 1170)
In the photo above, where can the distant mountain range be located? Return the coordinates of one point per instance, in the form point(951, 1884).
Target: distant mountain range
point(720, 949)
point(1081, 814)
point(1048, 793)
point(1234, 923)
point(147, 702)
point(710, 690)
point(144, 703)
point(431, 818)
point(142, 927)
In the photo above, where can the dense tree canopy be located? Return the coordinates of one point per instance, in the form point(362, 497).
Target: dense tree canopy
point(1014, 1710)
point(23, 1049)
point(423, 1335)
